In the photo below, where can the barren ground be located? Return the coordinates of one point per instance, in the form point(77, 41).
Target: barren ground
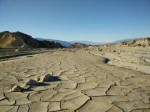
point(95, 79)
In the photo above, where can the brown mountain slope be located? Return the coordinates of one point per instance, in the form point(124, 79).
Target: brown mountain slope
point(137, 42)
point(21, 40)
point(8, 40)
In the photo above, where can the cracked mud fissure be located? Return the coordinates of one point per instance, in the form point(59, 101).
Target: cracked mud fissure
point(87, 83)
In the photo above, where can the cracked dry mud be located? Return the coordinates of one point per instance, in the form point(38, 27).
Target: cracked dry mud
point(81, 81)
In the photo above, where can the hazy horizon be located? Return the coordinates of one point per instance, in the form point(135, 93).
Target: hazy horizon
point(77, 20)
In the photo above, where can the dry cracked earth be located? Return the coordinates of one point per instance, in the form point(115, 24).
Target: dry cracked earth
point(95, 79)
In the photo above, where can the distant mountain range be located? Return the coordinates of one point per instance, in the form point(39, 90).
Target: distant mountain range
point(87, 42)
point(22, 40)
point(69, 43)
point(64, 43)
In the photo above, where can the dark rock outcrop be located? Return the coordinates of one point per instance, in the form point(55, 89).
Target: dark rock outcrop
point(79, 45)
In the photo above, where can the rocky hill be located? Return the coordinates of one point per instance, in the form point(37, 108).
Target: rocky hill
point(79, 45)
point(21, 40)
point(136, 42)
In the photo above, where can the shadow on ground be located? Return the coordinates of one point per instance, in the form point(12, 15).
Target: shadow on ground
point(53, 78)
point(47, 79)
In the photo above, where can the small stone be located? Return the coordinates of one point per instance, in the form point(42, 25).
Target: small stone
point(114, 51)
point(43, 78)
point(32, 82)
point(16, 88)
point(17, 50)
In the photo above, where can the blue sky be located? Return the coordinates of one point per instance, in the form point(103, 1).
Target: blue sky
point(91, 20)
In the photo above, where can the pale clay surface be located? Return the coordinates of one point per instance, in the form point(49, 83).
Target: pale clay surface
point(82, 81)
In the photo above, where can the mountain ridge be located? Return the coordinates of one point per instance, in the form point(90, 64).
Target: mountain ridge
point(22, 40)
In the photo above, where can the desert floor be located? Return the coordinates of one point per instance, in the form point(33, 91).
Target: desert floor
point(94, 79)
